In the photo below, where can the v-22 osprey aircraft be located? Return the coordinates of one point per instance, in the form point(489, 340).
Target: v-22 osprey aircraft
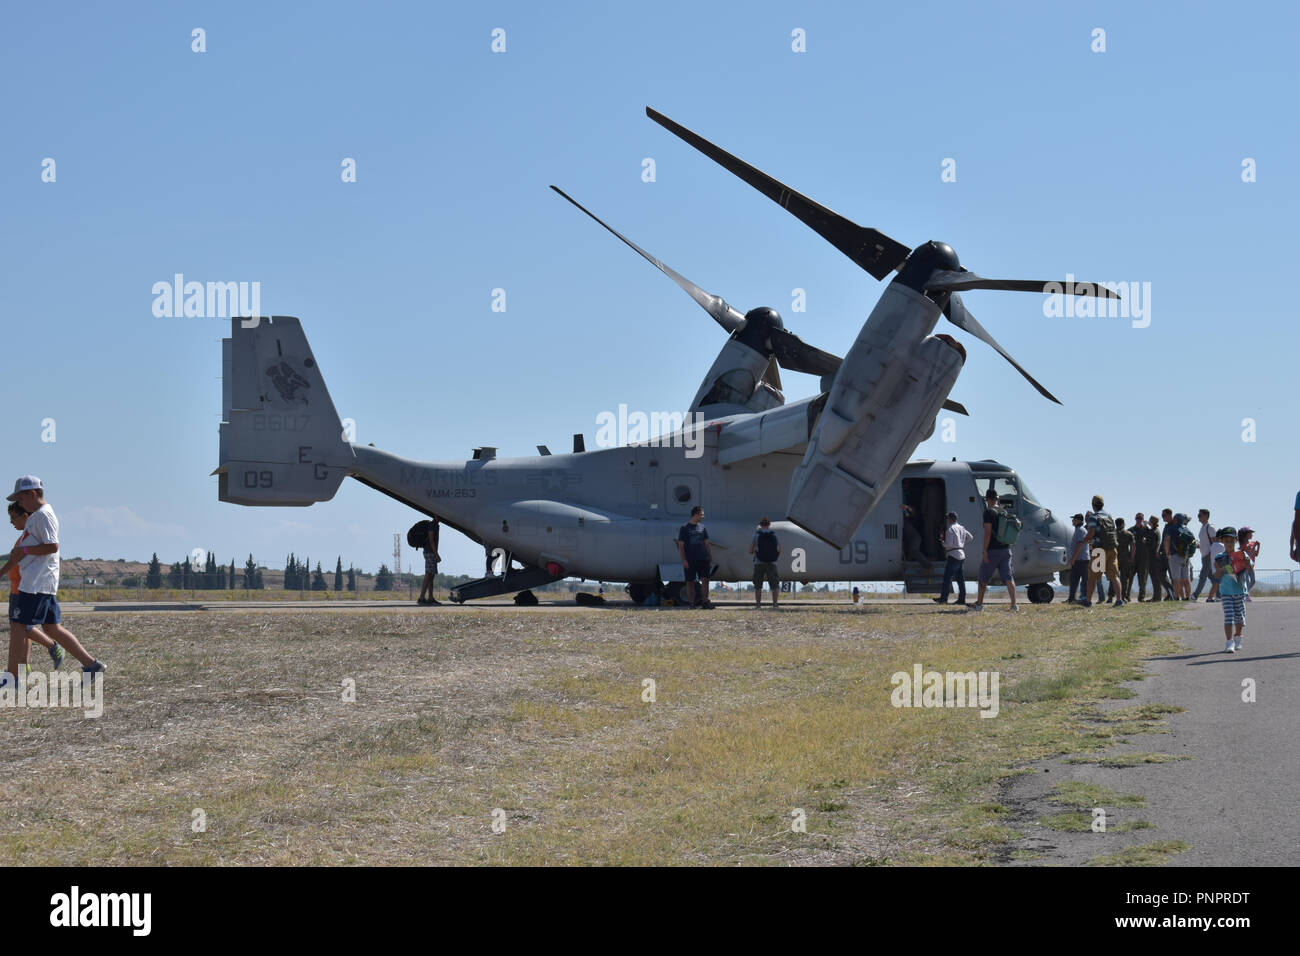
point(834, 465)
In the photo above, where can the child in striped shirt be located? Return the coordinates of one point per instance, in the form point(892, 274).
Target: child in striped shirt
point(1232, 593)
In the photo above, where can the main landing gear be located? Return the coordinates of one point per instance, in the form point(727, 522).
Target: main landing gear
point(1041, 593)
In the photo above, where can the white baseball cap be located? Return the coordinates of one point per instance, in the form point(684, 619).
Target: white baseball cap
point(25, 483)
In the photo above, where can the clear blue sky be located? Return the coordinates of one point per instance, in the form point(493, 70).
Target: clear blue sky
point(225, 165)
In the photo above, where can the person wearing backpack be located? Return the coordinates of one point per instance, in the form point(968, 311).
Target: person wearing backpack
point(1101, 580)
point(995, 555)
point(1181, 544)
point(1103, 545)
point(766, 549)
point(954, 541)
point(431, 558)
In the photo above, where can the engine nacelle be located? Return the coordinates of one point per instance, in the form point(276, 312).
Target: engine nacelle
point(881, 406)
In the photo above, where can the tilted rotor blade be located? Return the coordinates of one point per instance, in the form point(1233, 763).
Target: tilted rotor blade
point(960, 317)
point(946, 281)
point(958, 407)
point(723, 314)
point(869, 248)
point(798, 356)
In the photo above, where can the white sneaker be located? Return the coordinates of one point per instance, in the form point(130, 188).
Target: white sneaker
point(1236, 644)
point(1228, 648)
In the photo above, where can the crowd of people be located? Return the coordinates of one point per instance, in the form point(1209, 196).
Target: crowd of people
point(1166, 555)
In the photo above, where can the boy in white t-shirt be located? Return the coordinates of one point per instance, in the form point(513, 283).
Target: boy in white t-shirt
point(17, 633)
point(37, 608)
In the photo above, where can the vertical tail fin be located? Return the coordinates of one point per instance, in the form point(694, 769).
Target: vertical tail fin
point(281, 440)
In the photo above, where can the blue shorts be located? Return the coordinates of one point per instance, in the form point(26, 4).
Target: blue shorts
point(1000, 561)
point(33, 610)
point(696, 568)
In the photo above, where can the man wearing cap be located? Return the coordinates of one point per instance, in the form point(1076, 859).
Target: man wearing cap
point(1078, 560)
point(954, 541)
point(995, 555)
point(1102, 544)
point(1166, 546)
point(1205, 541)
point(38, 562)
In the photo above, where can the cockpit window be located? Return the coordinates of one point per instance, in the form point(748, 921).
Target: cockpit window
point(1004, 485)
point(1030, 498)
point(1011, 491)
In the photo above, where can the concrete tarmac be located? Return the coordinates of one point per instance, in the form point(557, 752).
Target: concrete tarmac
point(1237, 801)
point(1231, 794)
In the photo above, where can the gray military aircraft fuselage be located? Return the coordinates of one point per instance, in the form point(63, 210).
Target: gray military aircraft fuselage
point(831, 470)
point(609, 513)
point(615, 513)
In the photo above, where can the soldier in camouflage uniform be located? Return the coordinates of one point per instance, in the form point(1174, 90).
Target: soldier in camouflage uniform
point(1142, 544)
point(1124, 551)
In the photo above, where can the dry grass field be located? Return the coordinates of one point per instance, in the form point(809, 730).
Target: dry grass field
point(539, 714)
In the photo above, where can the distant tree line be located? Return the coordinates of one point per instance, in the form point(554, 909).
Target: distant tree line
point(298, 576)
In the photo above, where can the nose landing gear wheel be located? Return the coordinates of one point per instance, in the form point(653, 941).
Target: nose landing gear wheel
point(1041, 593)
